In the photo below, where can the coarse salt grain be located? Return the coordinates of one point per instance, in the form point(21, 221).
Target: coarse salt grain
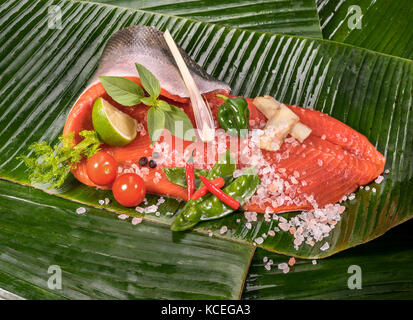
point(81, 210)
point(136, 220)
point(140, 210)
point(282, 266)
point(379, 179)
point(271, 233)
point(101, 202)
point(223, 229)
point(284, 226)
point(123, 216)
point(107, 201)
point(314, 262)
point(151, 209)
point(259, 240)
point(325, 246)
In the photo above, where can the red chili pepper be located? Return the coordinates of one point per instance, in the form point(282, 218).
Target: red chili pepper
point(221, 195)
point(190, 177)
point(217, 182)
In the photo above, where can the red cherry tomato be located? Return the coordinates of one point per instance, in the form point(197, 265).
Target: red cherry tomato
point(102, 168)
point(129, 189)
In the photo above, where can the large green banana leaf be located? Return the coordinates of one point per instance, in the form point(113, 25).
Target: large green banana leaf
point(48, 68)
point(385, 264)
point(385, 26)
point(277, 16)
point(103, 257)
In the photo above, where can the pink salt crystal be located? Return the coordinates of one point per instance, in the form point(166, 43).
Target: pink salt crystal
point(292, 230)
point(291, 262)
point(379, 179)
point(272, 188)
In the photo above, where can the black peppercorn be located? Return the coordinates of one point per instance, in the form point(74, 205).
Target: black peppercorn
point(152, 164)
point(143, 161)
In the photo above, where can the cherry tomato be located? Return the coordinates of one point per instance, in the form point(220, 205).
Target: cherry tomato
point(129, 189)
point(102, 168)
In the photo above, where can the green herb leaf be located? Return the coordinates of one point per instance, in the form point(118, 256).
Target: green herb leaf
point(149, 82)
point(163, 105)
point(178, 124)
point(122, 90)
point(177, 175)
point(149, 101)
point(156, 123)
point(51, 165)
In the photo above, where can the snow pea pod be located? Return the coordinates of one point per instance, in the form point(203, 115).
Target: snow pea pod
point(233, 115)
point(210, 208)
point(176, 175)
point(186, 218)
point(241, 189)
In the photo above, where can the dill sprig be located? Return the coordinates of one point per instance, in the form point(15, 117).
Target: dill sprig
point(51, 165)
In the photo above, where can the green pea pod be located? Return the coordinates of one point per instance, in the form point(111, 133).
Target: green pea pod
point(186, 218)
point(241, 189)
point(177, 175)
point(224, 168)
point(233, 115)
point(210, 208)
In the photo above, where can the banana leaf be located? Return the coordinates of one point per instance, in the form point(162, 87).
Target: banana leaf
point(369, 91)
point(385, 273)
point(103, 257)
point(277, 16)
point(384, 26)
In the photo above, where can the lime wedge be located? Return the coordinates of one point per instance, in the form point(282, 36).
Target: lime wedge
point(113, 126)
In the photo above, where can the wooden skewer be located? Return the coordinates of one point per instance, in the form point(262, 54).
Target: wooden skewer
point(202, 112)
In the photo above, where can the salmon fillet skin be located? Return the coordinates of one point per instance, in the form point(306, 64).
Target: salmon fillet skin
point(327, 166)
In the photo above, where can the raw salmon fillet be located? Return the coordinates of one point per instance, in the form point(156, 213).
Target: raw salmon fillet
point(331, 163)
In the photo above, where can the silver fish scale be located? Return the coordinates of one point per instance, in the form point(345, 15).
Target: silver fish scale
point(147, 46)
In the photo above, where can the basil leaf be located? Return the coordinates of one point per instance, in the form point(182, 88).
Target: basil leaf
point(149, 82)
point(163, 105)
point(156, 123)
point(122, 90)
point(149, 101)
point(178, 123)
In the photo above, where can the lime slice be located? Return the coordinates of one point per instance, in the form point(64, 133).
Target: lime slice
point(113, 126)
